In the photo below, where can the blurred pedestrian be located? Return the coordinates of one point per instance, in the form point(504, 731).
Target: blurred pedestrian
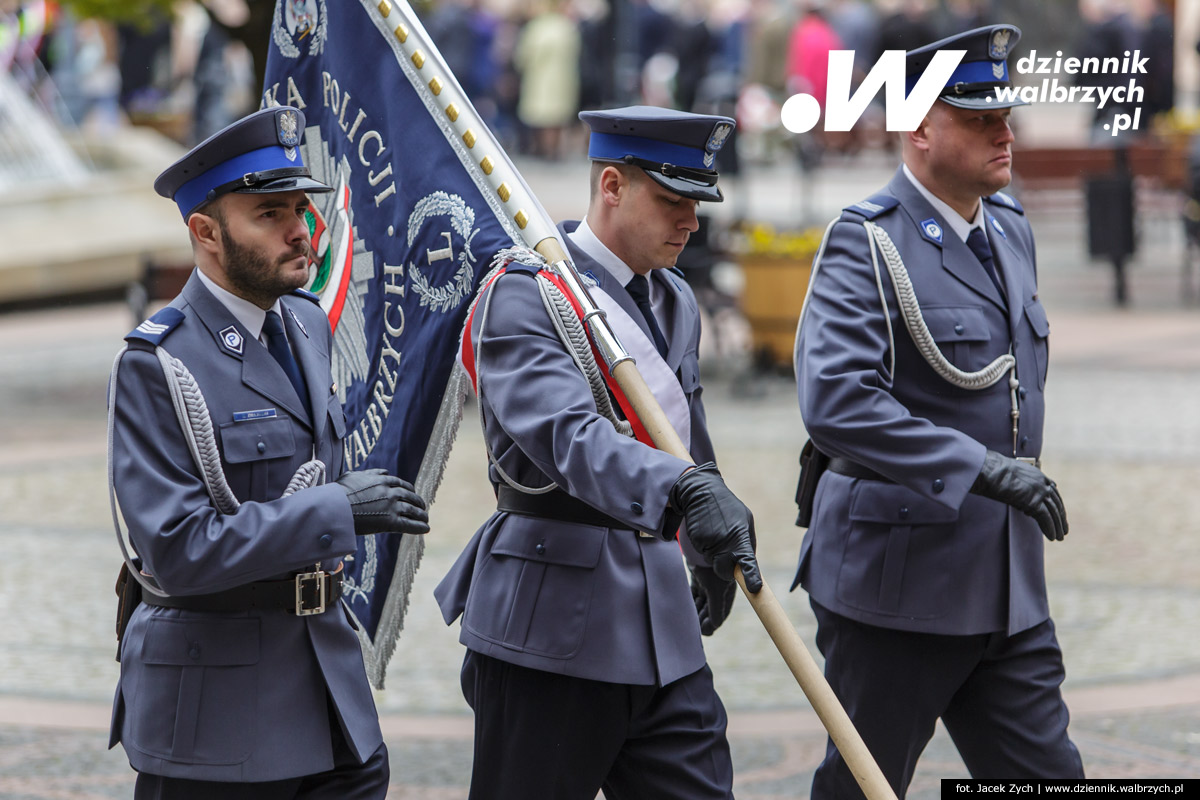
point(923, 558)
point(811, 41)
point(547, 59)
point(212, 110)
point(1110, 31)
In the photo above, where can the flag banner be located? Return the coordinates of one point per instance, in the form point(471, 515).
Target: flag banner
point(424, 200)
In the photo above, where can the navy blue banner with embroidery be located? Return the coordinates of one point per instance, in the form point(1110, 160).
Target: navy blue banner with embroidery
point(400, 246)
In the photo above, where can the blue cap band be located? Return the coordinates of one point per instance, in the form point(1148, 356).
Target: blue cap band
point(195, 191)
point(614, 147)
point(970, 72)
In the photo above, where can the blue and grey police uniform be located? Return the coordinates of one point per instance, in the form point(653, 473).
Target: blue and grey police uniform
point(931, 601)
point(582, 634)
point(245, 672)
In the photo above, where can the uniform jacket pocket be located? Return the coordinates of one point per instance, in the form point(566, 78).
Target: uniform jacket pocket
point(197, 689)
point(1035, 312)
point(532, 589)
point(250, 447)
point(893, 561)
point(689, 373)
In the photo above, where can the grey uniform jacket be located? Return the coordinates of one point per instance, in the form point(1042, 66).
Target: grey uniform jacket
point(238, 696)
point(917, 552)
point(581, 600)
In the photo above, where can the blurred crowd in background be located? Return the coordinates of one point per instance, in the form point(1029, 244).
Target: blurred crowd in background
point(192, 66)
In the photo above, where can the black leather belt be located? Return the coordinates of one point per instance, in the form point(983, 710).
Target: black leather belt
point(852, 470)
point(303, 595)
point(556, 505)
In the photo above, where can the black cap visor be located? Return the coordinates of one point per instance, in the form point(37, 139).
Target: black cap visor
point(694, 184)
point(693, 190)
point(287, 184)
point(982, 99)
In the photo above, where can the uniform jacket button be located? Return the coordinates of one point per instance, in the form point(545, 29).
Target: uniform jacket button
point(326, 540)
point(194, 653)
point(1023, 392)
point(540, 549)
point(1024, 442)
point(903, 512)
point(262, 447)
point(635, 507)
point(959, 329)
point(938, 485)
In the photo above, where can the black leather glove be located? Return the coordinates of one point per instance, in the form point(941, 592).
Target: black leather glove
point(719, 525)
point(1025, 488)
point(713, 596)
point(383, 503)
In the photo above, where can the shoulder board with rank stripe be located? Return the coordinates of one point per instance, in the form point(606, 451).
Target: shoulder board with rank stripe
point(307, 295)
point(157, 328)
point(873, 206)
point(1005, 201)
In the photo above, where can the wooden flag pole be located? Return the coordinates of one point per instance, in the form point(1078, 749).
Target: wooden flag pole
point(770, 612)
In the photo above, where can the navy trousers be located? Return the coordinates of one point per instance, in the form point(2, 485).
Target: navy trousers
point(997, 695)
point(555, 737)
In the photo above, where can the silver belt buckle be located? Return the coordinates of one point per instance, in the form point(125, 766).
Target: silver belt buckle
point(1037, 462)
point(301, 581)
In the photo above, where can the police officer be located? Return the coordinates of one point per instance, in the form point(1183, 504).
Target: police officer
point(584, 665)
point(924, 557)
point(245, 679)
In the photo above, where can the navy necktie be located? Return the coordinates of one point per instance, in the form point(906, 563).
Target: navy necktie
point(978, 242)
point(639, 290)
point(277, 346)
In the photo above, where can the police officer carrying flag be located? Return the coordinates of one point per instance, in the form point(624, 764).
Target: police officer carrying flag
point(584, 665)
point(241, 673)
point(921, 365)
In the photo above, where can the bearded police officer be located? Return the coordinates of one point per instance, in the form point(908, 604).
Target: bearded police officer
point(241, 674)
point(921, 365)
point(584, 666)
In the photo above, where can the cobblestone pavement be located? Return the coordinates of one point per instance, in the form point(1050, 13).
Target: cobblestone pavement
point(1122, 441)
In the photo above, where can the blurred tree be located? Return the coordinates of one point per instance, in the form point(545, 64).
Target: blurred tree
point(136, 11)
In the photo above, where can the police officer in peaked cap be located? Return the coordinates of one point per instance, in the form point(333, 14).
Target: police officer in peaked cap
point(923, 558)
point(584, 662)
point(241, 673)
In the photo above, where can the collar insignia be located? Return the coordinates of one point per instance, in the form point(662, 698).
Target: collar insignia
point(299, 324)
point(932, 230)
point(232, 340)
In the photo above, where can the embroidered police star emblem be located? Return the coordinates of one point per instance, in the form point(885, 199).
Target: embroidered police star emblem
point(999, 45)
point(716, 139)
point(232, 340)
point(288, 128)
